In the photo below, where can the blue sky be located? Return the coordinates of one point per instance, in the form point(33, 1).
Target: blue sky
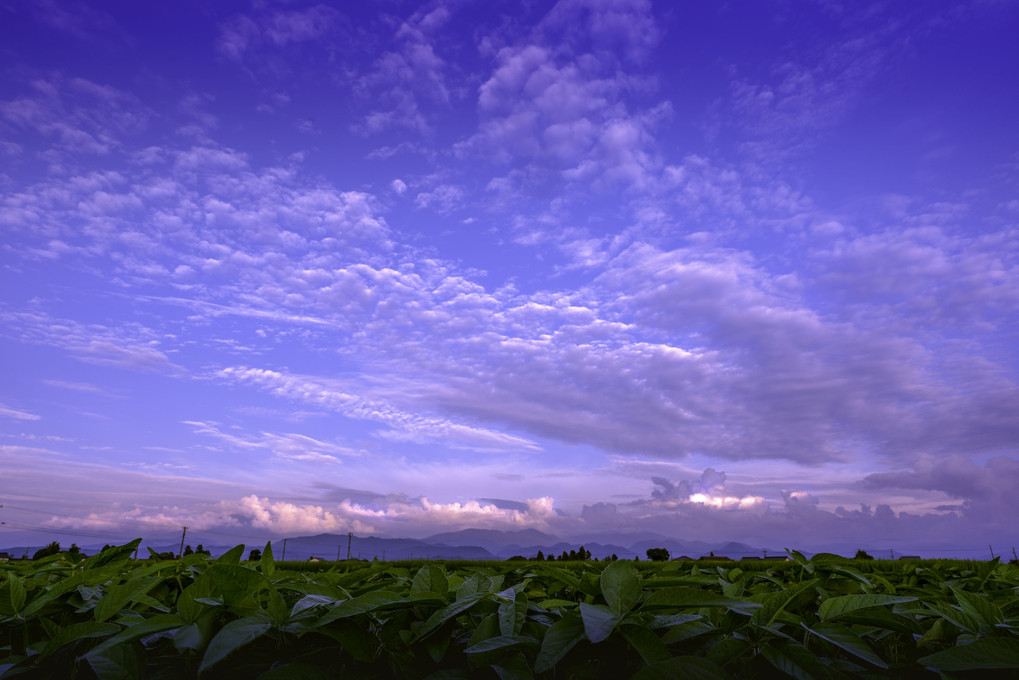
point(746, 272)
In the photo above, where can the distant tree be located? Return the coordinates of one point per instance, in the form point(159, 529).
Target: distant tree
point(614, 557)
point(636, 558)
point(74, 549)
point(201, 551)
point(52, 549)
point(564, 557)
point(188, 550)
point(517, 558)
point(658, 554)
point(573, 555)
point(550, 558)
point(540, 557)
point(166, 555)
point(106, 547)
point(862, 555)
point(255, 555)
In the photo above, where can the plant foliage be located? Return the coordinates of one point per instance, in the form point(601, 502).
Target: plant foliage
point(114, 618)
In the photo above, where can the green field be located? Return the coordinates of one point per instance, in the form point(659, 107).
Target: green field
point(109, 616)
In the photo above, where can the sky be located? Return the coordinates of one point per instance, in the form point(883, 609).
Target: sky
point(737, 271)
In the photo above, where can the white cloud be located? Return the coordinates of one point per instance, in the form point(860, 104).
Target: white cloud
point(8, 412)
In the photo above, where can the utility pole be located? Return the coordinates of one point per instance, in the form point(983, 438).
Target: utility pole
point(991, 549)
point(1014, 557)
point(337, 553)
point(350, 535)
point(284, 557)
point(180, 553)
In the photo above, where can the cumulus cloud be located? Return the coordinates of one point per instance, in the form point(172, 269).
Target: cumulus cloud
point(272, 29)
point(555, 106)
point(407, 81)
point(987, 491)
point(75, 115)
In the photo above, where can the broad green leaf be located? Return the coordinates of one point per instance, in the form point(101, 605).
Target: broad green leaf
point(794, 659)
point(560, 638)
point(666, 620)
point(231, 637)
point(685, 631)
point(488, 628)
point(478, 584)
point(119, 553)
point(852, 573)
point(599, 621)
point(648, 645)
point(267, 564)
point(512, 614)
point(157, 624)
point(501, 642)
point(789, 599)
point(232, 556)
point(686, 667)
point(982, 653)
point(190, 637)
point(189, 602)
point(561, 575)
point(555, 604)
point(620, 587)
point(237, 583)
point(728, 650)
point(842, 637)
point(514, 668)
point(941, 631)
point(448, 612)
point(359, 605)
point(957, 617)
point(877, 617)
point(118, 596)
point(355, 639)
point(691, 597)
point(843, 604)
point(430, 578)
point(277, 607)
point(123, 662)
point(52, 593)
point(12, 595)
point(79, 631)
point(981, 609)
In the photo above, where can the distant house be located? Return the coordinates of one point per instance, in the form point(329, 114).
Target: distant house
point(776, 558)
point(749, 558)
point(4, 557)
point(909, 557)
point(713, 557)
point(684, 558)
point(314, 559)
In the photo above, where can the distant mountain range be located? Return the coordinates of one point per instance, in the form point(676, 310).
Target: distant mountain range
point(467, 544)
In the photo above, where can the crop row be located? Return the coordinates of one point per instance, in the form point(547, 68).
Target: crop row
point(112, 617)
